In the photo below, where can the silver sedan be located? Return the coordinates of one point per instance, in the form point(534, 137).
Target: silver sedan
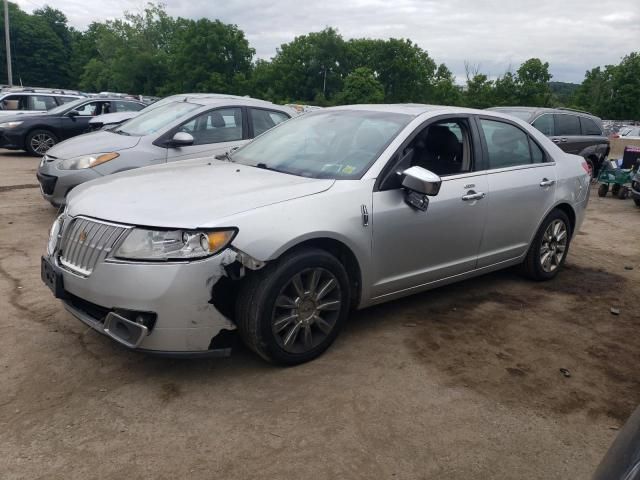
point(338, 209)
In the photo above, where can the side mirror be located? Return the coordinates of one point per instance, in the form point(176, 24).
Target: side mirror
point(73, 113)
point(181, 139)
point(420, 184)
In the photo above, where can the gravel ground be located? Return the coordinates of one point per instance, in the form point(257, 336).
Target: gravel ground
point(457, 383)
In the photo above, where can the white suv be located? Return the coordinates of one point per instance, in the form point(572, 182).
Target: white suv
point(31, 102)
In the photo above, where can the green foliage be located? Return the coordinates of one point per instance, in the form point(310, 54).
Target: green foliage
point(361, 86)
point(612, 92)
point(153, 53)
point(533, 83)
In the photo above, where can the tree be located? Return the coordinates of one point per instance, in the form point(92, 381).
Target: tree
point(361, 86)
point(403, 68)
point(533, 83)
point(506, 90)
point(311, 64)
point(445, 90)
point(39, 57)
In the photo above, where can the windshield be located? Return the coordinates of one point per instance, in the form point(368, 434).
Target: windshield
point(67, 106)
point(155, 119)
point(338, 144)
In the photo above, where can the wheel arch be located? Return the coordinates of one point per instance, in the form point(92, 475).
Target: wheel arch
point(342, 252)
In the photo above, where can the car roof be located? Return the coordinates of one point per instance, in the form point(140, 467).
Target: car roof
point(231, 100)
point(47, 94)
point(540, 110)
point(413, 109)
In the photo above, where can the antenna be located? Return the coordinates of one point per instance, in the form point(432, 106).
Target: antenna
point(7, 43)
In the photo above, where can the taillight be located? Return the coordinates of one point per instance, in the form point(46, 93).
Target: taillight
point(586, 166)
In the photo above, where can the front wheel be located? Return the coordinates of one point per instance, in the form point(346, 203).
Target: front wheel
point(292, 310)
point(549, 248)
point(603, 189)
point(39, 141)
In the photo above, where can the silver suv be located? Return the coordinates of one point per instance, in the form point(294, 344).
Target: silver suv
point(32, 102)
point(574, 131)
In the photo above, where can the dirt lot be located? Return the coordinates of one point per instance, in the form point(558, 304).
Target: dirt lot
point(458, 383)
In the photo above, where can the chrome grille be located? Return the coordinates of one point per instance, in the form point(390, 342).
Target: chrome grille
point(86, 242)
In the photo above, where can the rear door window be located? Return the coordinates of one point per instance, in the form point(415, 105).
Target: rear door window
point(127, 107)
point(567, 125)
point(263, 120)
point(15, 102)
point(589, 127)
point(507, 145)
point(62, 100)
point(41, 102)
point(544, 123)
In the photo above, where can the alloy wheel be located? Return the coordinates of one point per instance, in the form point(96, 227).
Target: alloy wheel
point(554, 245)
point(306, 310)
point(42, 142)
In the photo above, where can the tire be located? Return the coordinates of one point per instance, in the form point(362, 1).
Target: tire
point(270, 294)
point(534, 265)
point(615, 189)
point(623, 193)
point(603, 189)
point(637, 202)
point(39, 141)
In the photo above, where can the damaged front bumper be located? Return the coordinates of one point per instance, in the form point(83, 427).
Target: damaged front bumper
point(162, 308)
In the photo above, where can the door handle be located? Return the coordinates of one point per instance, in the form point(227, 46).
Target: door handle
point(471, 196)
point(547, 183)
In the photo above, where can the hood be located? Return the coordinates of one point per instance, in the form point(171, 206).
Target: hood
point(187, 194)
point(90, 143)
point(16, 116)
point(116, 117)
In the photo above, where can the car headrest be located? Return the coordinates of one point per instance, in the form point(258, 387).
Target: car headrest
point(216, 120)
point(440, 138)
point(506, 138)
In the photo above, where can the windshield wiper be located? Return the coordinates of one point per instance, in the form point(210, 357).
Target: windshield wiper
point(224, 156)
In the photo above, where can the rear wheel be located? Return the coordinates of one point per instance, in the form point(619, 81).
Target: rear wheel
point(39, 141)
point(623, 192)
point(615, 189)
point(549, 248)
point(603, 189)
point(637, 201)
point(292, 310)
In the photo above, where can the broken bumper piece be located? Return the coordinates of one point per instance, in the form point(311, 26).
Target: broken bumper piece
point(161, 308)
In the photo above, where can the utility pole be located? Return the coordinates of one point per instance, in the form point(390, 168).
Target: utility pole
point(7, 42)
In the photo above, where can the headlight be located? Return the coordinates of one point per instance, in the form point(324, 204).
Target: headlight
point(10, 124)
point(87, 161)
point(54, 233)
point(142, 244)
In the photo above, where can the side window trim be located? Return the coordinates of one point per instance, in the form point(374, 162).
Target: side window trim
point(548, 160)
point(397, 155)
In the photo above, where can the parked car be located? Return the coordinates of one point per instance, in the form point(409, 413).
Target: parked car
point(340, 208)
point(630, 133)
point(109, 120)
point(38, 133)
point(622, 460)
point(573, 131)
point(177, 130)
point(31, 102)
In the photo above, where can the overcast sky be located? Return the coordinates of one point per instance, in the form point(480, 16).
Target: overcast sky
point(572, 35)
